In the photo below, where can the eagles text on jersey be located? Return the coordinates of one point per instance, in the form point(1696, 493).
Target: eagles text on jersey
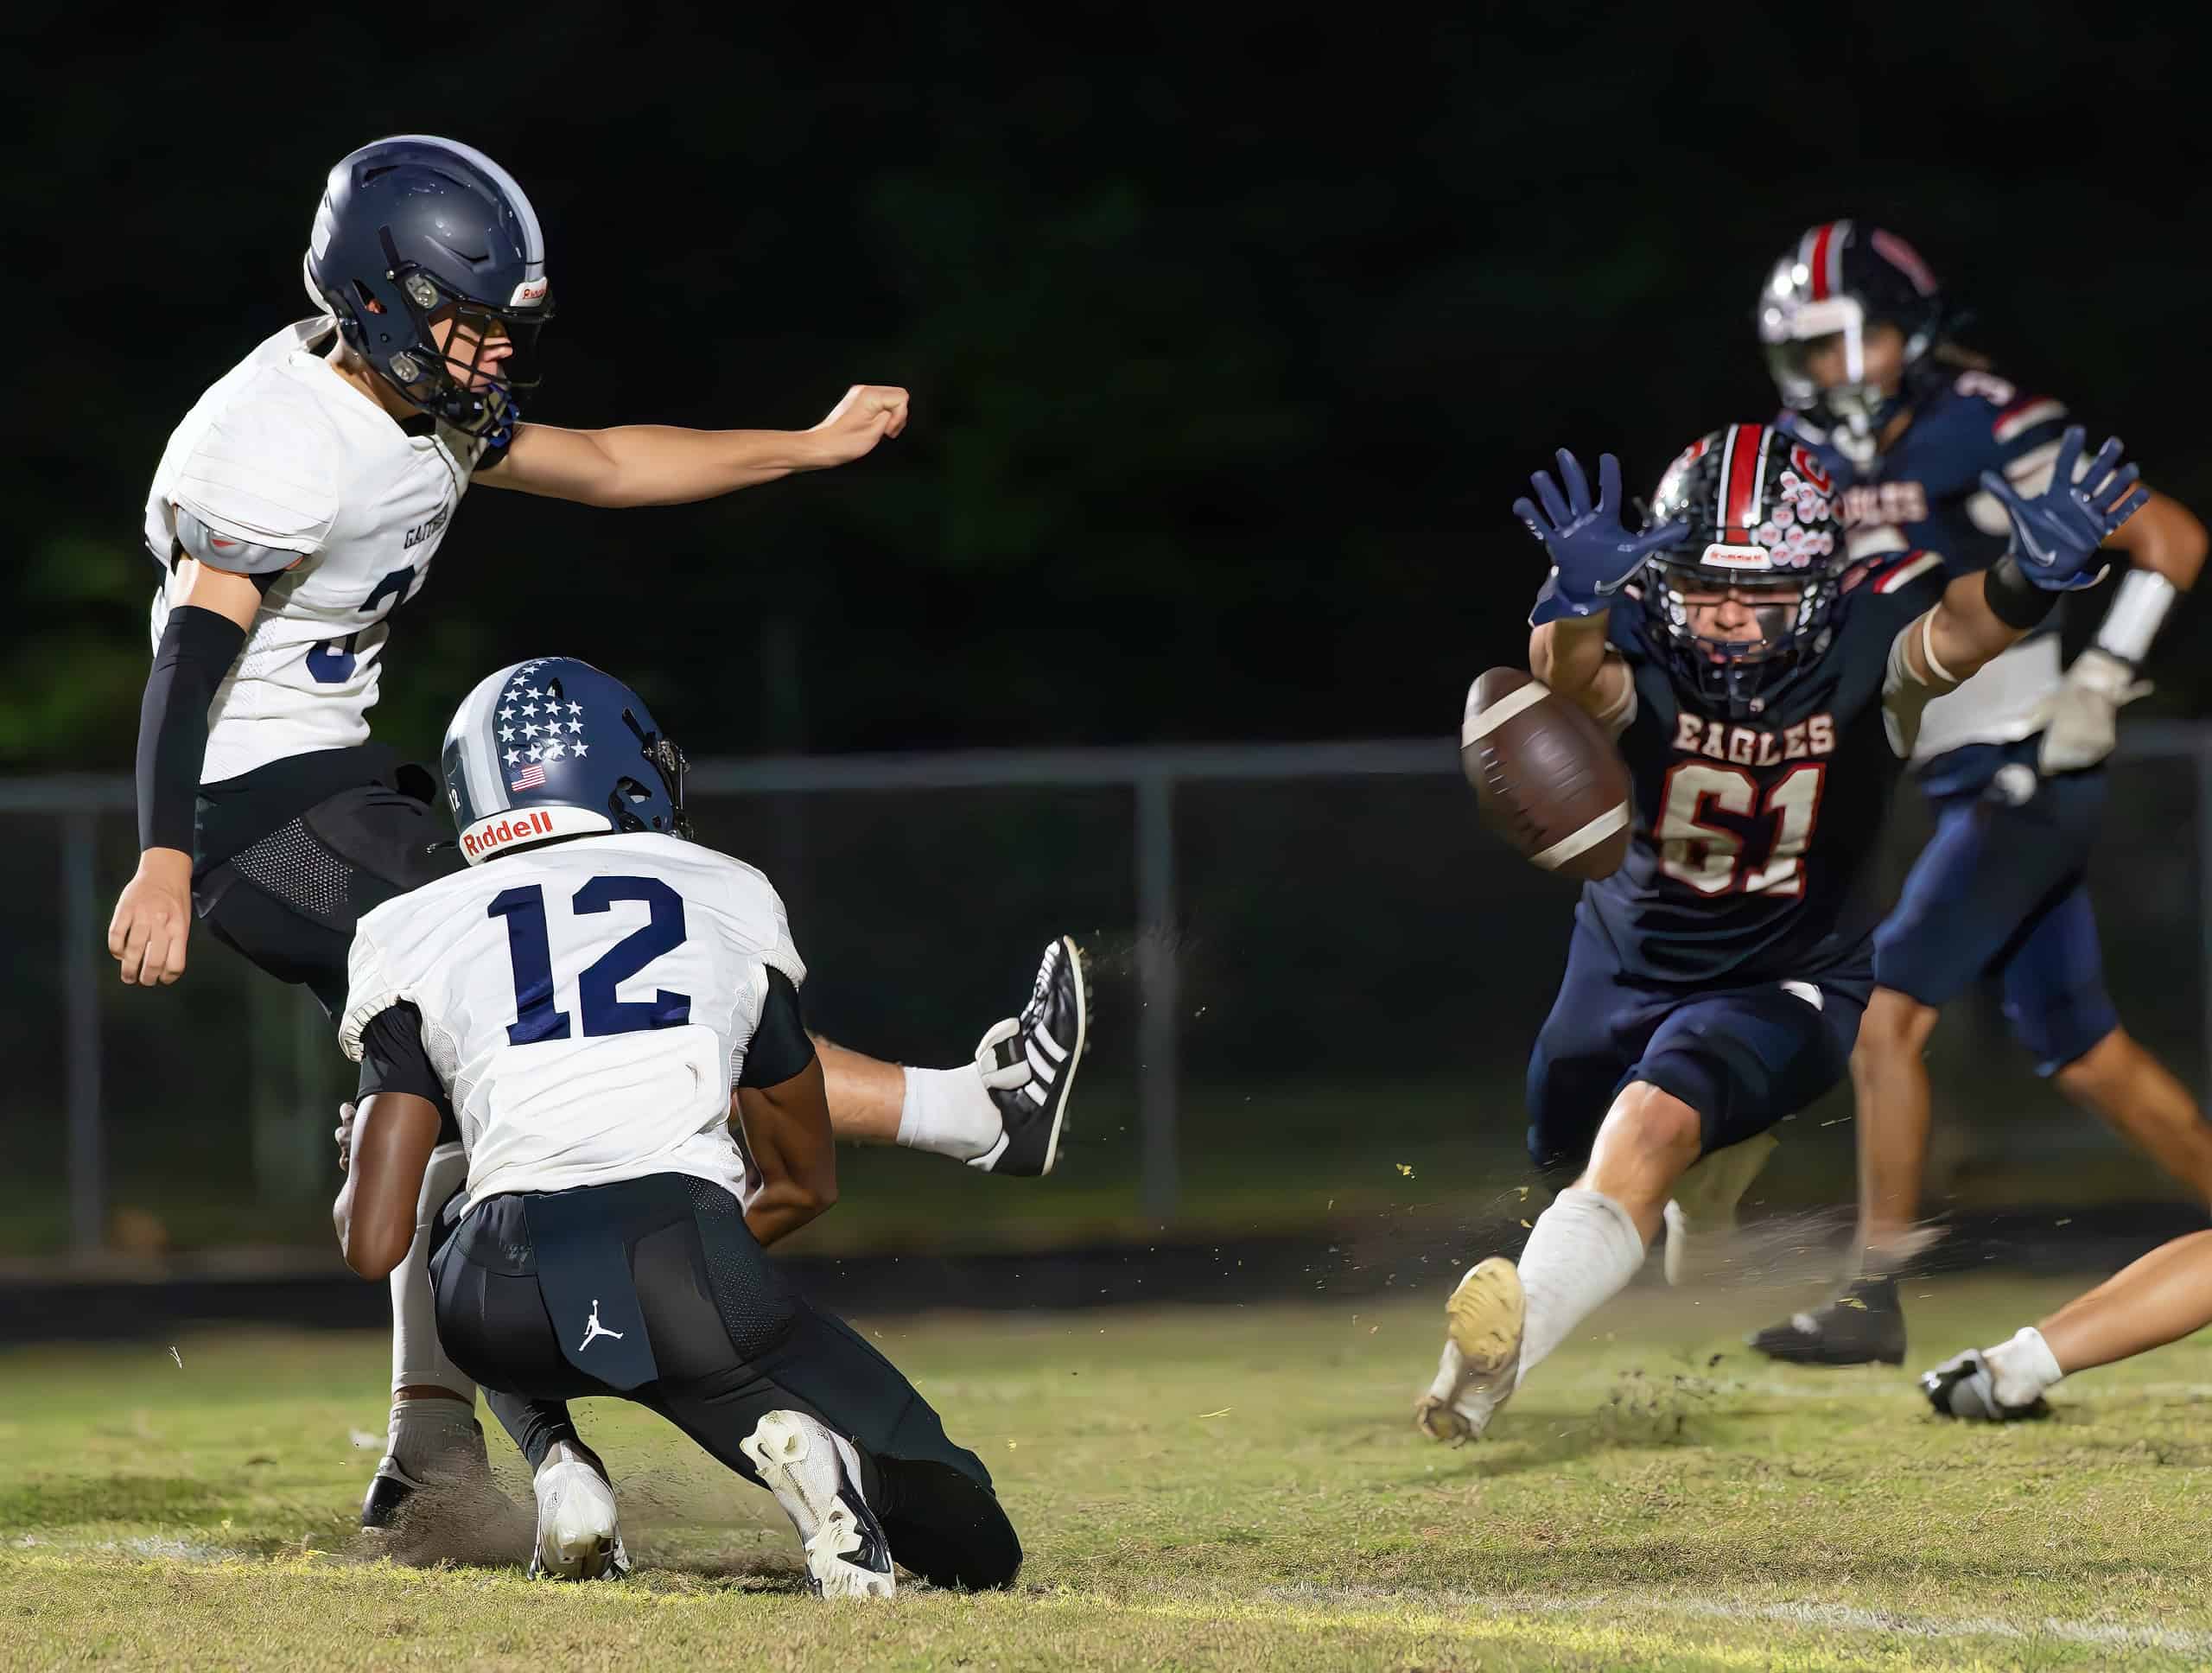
point(1753, 837)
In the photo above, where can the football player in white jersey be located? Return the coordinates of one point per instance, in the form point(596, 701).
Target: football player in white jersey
point(299, 503)
point(607, 1012)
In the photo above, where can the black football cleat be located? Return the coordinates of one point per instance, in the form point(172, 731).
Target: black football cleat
point(1865, 1326)
point(1965, 1386)
point(1029, 1064)
point(389, 1489)
point(464, 1463)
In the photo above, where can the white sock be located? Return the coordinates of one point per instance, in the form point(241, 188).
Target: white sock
point(1583, 1252)
point(425, 1431)
point(418, 1359)
point(948, 1111)
point(2023, 1367)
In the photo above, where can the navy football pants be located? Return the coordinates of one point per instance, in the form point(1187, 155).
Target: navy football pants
point(1743, 1058)
point(1999, 889)
point(713, 1336)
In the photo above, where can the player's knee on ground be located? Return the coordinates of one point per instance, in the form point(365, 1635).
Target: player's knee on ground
point(1895, 1024)
point(947, 1527)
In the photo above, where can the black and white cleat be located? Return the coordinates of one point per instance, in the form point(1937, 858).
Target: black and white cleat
point(1865, 1326)
point(1965, 1385)
point(816, 1476)
point(389, 1489)
point(1029, 1064)
point(461, 1464)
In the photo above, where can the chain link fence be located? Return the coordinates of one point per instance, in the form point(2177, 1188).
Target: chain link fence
point(1316, 981)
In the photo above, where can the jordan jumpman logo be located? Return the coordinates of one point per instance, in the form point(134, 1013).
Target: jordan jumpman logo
point(593, 1330)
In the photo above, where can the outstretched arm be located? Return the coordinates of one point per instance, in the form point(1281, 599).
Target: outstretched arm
point(664, 465)
point(1594, 554)
point(2055, 538)
point(1572, 656)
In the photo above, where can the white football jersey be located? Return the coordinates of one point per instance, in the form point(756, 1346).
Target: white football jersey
point(282, 467)
point(587, 1005)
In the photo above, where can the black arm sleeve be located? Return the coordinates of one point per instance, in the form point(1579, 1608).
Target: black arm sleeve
point(781, 1046)
point(393, 1060)
point(197, 649)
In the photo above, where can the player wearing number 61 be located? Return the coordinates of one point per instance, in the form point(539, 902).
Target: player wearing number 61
point(1762, 688)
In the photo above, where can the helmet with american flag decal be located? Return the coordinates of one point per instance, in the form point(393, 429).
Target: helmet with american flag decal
point(1838, 279)
point(553, 747)
point(1744, 601)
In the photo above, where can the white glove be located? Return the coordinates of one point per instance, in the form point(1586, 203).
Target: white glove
point(2085, 716)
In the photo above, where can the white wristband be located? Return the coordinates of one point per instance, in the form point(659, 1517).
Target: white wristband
point(2138, 608)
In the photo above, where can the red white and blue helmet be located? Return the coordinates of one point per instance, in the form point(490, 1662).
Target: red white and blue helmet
point(1764, 522)
point(553, 747)
point(1839, 278)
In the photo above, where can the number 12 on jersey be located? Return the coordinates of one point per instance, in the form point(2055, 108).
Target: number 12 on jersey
point(1712, 859)
point(530, 950)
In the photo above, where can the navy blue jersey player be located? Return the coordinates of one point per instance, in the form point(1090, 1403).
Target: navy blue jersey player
point(1762, 686)
point(1856, 333)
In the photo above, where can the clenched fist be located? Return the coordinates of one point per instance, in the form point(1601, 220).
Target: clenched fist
point(867, 414)
point(147, 934)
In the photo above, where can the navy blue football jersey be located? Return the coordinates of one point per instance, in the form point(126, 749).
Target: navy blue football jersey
point(1925, 493)
point(1753, 842)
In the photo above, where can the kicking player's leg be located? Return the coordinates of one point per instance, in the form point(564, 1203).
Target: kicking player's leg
point(2163, 1297)
point(1003, 1112)
point(288, 903)
point(2055, 1000)
point(433, 1431)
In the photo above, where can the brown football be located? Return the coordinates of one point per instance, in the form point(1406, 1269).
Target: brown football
point(1547, 777)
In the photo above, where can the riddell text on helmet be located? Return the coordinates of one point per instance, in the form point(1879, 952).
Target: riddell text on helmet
point(507, 830)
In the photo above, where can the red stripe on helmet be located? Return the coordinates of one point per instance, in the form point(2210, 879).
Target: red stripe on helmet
point(1822, 238)
point(1902, 256)
point(1740, 496)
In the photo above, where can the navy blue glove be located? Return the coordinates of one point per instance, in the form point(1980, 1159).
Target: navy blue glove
point(2055, 535)
point(1593, 554)
point(1842, 471)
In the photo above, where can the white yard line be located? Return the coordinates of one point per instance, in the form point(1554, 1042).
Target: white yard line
point(1616, 1607)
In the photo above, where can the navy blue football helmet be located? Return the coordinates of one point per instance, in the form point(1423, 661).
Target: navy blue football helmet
point(1836, 281)
point(417, 234)
point(1764, 534)
point(553, 747)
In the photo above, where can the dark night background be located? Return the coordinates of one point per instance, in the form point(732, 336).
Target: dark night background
point(1230, 342)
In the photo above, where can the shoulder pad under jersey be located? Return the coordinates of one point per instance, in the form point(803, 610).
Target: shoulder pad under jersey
point(268, 469)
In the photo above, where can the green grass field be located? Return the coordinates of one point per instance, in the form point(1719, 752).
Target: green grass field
point(1231, 1488)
